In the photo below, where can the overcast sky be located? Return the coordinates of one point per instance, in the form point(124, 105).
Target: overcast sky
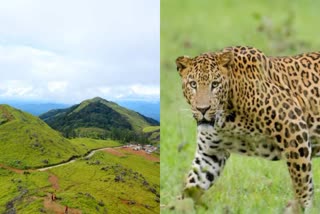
point(68, 51)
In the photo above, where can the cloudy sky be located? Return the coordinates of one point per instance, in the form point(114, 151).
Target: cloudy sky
point(68, 51)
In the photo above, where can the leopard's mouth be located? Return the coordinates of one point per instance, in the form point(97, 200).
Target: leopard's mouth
point(208, 118)
point(205, 121)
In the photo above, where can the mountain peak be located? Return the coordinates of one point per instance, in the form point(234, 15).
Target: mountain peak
point(97, 99)
point(97, 116)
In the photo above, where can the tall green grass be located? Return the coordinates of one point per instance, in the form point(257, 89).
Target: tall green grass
point(247, 185)
point(84, 184)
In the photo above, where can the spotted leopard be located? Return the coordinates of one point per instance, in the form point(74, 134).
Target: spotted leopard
point(246, 102)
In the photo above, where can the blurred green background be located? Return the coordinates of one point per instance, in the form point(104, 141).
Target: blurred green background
point(190, 27)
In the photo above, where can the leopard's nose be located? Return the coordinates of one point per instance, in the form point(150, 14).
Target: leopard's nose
point(203, 109)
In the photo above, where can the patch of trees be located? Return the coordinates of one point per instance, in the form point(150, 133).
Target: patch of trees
point(121, 135)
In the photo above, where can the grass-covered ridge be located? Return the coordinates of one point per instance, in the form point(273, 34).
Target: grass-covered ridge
point(247, 185)
point(28, 142)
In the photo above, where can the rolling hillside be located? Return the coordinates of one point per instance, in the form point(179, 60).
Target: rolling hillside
point(153, 134)
point(26, 141)
point(97, 118)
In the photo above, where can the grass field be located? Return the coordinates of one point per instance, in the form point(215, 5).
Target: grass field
point(88, 185)
point(86, 180)
point(150, 129)
point(83, 145)
point(247, 185)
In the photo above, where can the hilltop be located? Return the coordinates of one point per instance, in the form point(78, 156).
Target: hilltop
point(98, 118)
point(26, 141)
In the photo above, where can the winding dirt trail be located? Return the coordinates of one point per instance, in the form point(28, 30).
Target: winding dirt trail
point(57, 208)
point(51, 204)
point(71, 161)
point(54, 181)
point(19, 171)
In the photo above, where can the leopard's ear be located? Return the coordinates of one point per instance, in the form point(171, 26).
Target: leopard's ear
point(226, 59)
point(182, 63)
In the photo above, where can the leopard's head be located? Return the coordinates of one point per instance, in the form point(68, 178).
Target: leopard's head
point(205, 83)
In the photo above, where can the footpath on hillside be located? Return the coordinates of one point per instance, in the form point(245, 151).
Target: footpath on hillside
point(50, 202)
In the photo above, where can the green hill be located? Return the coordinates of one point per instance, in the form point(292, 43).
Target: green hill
point(28, 142)
point(153, 133)
point(98, 118)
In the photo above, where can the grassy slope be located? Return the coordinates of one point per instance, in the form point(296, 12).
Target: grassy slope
point(13, 185)
point(84, 185)
point(151, 129)
point(85, 178)
point(153, 133)
point(248, 185)
point(86, 144)
point(26, 141)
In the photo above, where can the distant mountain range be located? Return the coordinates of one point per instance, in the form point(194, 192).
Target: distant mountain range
point(98, 118)
point(149, 109)
point(35, 108)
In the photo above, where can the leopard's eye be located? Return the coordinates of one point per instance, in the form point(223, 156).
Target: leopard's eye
point(214, 84)
point(193, 84)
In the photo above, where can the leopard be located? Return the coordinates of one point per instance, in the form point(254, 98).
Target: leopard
point(246, 102)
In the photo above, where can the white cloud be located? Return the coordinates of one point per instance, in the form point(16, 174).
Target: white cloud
point(145, 90)
point(15, 88)
point(81, 48)
point(57, 86)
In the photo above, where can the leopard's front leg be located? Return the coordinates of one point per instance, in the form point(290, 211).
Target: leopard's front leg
point(299, 165)
point(207, 164)
point(297, 150)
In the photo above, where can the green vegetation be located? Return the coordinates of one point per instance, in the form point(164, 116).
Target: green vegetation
point(100, 119)
point(153, 134)
point(16, 189)
point(247, 185)
point(28, 142)
point(96, 179)
point(87, 144)
point(151, 129)
point(84, 184)
point(103, 183)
